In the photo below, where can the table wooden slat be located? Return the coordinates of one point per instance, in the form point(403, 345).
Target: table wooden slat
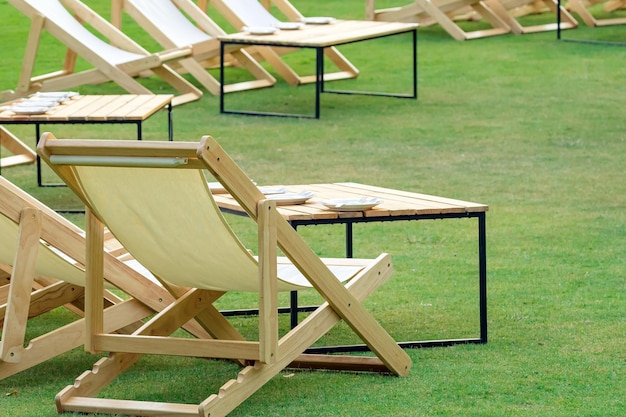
point(395, 203)
point(95, 108)
point(335, 33)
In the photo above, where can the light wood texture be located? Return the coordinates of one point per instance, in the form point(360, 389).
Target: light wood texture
point(108, 108)
point(181, 24)
point(581, 7)
point(395, 203)
point(252, 13)
point(509, 11)
point(119, 60)
point(268, 286)
point(94, 276)
point(14, 328)
point(180, 209)
point(445, 13)
point(21, 153)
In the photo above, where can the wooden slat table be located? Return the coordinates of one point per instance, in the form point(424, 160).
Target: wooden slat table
point(397, 206)
point(92, 109)
point(319, 37)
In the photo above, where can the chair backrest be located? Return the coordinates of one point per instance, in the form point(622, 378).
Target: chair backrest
point(251, 12)
point(154, 197)
point(60, 17)
point(51, 263)
point(171, 22)
point(169, 222)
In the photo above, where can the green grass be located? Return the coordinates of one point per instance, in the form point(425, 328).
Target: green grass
point(532, 126)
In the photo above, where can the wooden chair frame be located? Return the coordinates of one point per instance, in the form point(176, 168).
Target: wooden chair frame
point(138, 61)
point(262, 359)
point(581, 7)
point(507, 12)
point(445, 13)
point(272, 54)
point(21, 153)
point(190, 18)
point(26, 292)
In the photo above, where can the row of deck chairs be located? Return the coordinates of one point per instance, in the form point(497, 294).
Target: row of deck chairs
point(182, 27)
point(503, 16)
point(167, 247)
point(188, 35)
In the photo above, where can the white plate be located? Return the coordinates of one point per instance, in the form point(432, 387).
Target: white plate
point(352, 204)
point(288, 25)
point(60, 95)
point(287, 199)
point(29, 110)
point(272, 190)
point(260, 30)
point(321, 20)
point(36, 103)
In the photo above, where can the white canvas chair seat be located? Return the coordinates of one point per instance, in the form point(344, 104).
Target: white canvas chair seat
point(118, 60)
point(250, 13)
point(445, 13)
point(155, 199)
point(42, 258)
point(181, 24)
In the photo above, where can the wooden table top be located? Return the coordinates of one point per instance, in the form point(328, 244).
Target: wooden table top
point(395, 203)
point(335, 33)
point(95, 108)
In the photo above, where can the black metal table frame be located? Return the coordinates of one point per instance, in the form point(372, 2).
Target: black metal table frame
point(294, 308)
point(39, 123)
point(319, 76)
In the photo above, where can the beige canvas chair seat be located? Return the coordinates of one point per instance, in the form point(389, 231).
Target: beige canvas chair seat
point(251, 13)
point(42, 258)
point(21, 154)
point(154, 197)
point(119, 60)
point(445, 13)
point(181, 24)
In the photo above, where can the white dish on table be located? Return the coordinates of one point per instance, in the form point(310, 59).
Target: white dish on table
point(288, 25)
point(36, 103)
point(29, 110)
point(55, 95)
point(319, 20)
point(288, 199)
point(272, 190)
point(260, 30)
point(352, 204)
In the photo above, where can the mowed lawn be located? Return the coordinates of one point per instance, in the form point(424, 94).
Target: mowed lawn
point(532, 126)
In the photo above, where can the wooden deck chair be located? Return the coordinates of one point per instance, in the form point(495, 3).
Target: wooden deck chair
point(582, 8)
point(446, 13)
point(118, 61)
point(154, 197)
point(241, 13)
point(41, 268)
point(510, 13)
point(180, 24)
point(20, 152)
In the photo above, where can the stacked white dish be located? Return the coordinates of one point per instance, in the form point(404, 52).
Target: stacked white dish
point(40, 103)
